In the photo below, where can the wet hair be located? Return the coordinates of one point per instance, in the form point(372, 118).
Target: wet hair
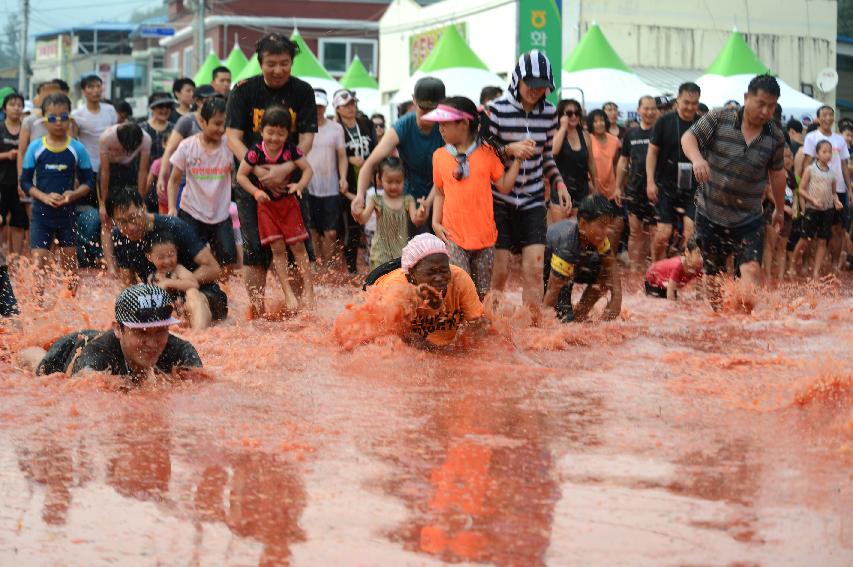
point(594, 207)
point(766, 83)
point(703, 108)
point(276, 116)
point(130, 136)
point(55, 99)
point(211, 107)
point(477, 127)
point(845, 127)
point(220, 69)
point(689, 87)
point(795, 125)
point(63, 86)
point(390, 163)
point(122, 198)
point(161, 236)
point(10, 97)
point(590, 119)
point(646, 97)
point(123, 107)
point(180, 83)
point(88, 81)
point(820, 144)
point(490, 93)
point(275, 44)
point(692, 245)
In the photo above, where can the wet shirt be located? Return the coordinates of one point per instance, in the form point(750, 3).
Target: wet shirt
point(461, 303)
point(323, 158)
point(662, 271)
point(666, 135)
point(839, 154)
point(8, 167)
point(207, 193)
point(101, 351)
point(55, 170)
point(109, 144)
point(158, 139)
point(603, 153)
point(635, 146)
point(468, 214)
point(739, 171)
point(90, 126)
point(257, 155)
point(571, 257)
point(416, 149)
point(251, 97)
point(130, 254)
point(360, 140)
point(820, 187)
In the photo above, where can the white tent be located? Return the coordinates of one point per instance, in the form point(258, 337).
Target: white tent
point(595, 74)
point(452, 61)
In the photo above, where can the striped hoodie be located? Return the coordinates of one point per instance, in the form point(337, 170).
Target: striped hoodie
point(509, 123)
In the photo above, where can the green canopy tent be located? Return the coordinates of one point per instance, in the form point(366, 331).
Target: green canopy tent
point(204, 76)
point(366, 88)
point(251, 69)
point(307, 67)
point(236, 61)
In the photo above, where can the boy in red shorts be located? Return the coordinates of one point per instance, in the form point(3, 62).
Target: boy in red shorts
point(279, 215)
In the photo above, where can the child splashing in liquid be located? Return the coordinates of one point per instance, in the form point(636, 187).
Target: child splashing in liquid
point(463, 173)
point(279, 215)
point(391, 208)
point(177, 280)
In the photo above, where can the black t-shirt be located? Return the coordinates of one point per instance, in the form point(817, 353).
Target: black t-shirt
point(8, 167)
point(158, 139)
point(130, 254)
point(358, 141)
point(251, 97)
point(795, 146)
point(102, 352)
point(666, 135)
point(635, 146)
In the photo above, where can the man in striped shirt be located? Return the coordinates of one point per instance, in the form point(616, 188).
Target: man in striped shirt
point(733, 151)
point(526, 122)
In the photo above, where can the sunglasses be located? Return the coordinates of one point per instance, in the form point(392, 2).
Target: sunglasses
point(379, 124)
point(459, 172)
point(571, 113)
point(54, 118)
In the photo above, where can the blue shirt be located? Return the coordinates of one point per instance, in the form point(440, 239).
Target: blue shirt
point(416, 149)
point(53, 170)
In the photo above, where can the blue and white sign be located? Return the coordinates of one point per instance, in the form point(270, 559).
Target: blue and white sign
point(160, 31)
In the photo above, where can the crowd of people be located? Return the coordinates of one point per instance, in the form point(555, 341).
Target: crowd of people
point(275, 174)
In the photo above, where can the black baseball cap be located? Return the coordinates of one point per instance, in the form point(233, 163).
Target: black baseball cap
point(160, 99)
point(204, 91)
point(429, 91)
point(144, 306)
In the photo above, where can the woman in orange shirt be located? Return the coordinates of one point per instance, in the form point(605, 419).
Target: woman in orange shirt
point(605, 152)
point(463, 172)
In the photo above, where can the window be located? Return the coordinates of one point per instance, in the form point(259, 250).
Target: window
point(337, 53)
point(187, 70)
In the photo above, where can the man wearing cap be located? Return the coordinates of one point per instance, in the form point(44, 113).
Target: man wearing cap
point(415, 140)
point(328, 159)
point(138, 345)
point(526, 122)
point(246, 105)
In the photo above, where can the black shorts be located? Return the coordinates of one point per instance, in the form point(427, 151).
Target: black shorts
point(217, 300)
point(818, 224)
point(843, 217)
point(654, 290)
point(673, 203)
point(220, 236)
point(638, 204)
point(718, 242)
point(11, 206)
point(519, 228)
point(324, 212)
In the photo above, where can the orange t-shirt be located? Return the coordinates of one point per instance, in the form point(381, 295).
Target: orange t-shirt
point(469, 215)
point(461, 303)
point(603, 155)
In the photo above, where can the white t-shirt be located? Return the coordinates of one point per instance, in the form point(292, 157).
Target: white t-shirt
point(323, 158)
point(207, 193)
point(370, 225)
point(91, 125)
point(839, 153)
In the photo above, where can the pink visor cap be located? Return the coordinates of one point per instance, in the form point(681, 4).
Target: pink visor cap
point(444, 113)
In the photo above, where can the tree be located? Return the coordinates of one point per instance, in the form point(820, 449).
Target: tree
point(143, 14)
point(9, 45)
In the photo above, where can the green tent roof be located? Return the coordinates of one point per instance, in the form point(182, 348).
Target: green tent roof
point(594, 52)
point(205, 74)
point(306, 64)
point(357, 77)
point(236, 61)
point(450, 52)
point(737, 58)
point(251, 69)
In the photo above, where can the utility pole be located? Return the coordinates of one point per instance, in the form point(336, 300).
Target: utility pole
point(200, 55)
point(22, 47)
